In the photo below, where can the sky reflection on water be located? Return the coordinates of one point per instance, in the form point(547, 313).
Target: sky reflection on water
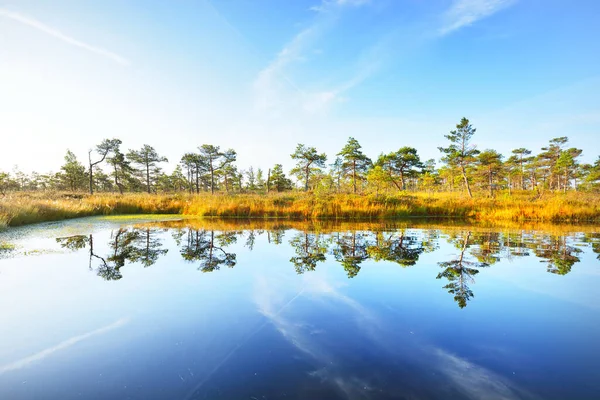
point(194, 310)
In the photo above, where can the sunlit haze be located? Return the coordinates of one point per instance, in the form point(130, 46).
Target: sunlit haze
point(261, 76)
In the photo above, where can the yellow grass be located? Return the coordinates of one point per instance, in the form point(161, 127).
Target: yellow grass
point(25, 208)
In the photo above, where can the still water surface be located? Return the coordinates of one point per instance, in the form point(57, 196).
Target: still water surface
point(101, 309)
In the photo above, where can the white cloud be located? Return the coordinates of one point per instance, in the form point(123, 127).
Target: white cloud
point(466, 12)
point(34, 23)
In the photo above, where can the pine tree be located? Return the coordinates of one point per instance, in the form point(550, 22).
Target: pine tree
point(216, 160)
point(73, 172)
point(147, 158)
point(355, 163)
point(461, 152)
point(401, 165)
point(278, 180)
point(103, 149)
point(308, 161)
point(490, 165)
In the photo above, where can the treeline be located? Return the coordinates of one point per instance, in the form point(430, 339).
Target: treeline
point(209, 169)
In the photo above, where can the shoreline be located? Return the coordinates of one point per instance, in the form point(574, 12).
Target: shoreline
point(18, 209)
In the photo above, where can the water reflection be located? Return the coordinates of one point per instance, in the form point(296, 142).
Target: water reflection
point(206, 248)
point(310, 249)
point(594, 240)
point(403, 248)
point(460, 272)
point(131, 245)
point(557, 254)
point(210, 249)
point(350, 250)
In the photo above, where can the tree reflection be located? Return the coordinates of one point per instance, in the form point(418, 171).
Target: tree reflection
point(515, 245)
point(557, 254)
point(403, 248)
point(275, 235)
point(251, 238)
point(350, 251)
point(126, 246)
point(73, 243)
point(208, 249)
point(459, 273)
point(310, 249)
point(488, 247)
point(594, 240)
point(150, 246)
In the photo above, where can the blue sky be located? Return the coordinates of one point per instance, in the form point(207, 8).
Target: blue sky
point(261, 76)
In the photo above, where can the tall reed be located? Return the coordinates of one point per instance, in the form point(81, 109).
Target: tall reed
point(25, 208)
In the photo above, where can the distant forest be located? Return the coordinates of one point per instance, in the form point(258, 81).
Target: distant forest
point(462, 167)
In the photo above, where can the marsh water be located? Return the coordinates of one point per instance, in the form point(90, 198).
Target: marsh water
point(191, 309)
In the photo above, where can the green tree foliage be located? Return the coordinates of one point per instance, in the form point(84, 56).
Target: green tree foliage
point(355, 164)
point(592, 178)
point(261, 184)
point(251, 179)
point(430, 177)
point(147, 158)
point(400, 165)
point(178, 182)
point(102, 182)
point(196, 167)
point(512, 171)
point(336, 171)
point(4, 182)
point(377, 178)
point(521, 158)
point(73, 173)
point(216, 160)
point(489, 163)
point(461, 152)
point(308, 161)
point(103, 149)
point(121, 168)
point(278, 181)
point(547, 162)
point(232, 179)
point(566, 165)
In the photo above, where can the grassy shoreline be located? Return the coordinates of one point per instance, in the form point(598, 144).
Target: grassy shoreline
point(27, 208)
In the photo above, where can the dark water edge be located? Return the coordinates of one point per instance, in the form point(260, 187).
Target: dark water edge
point(205, 308)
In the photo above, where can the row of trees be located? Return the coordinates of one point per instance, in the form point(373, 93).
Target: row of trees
point(463, 167)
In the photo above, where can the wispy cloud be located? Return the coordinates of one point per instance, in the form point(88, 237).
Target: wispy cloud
point(330, 366)
point(475, 381)
point(326, 5)
point(275, 90)
point(321, 101)
point(272, 80)
point(466, 12)
point(24, 362)
point(34, 23)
